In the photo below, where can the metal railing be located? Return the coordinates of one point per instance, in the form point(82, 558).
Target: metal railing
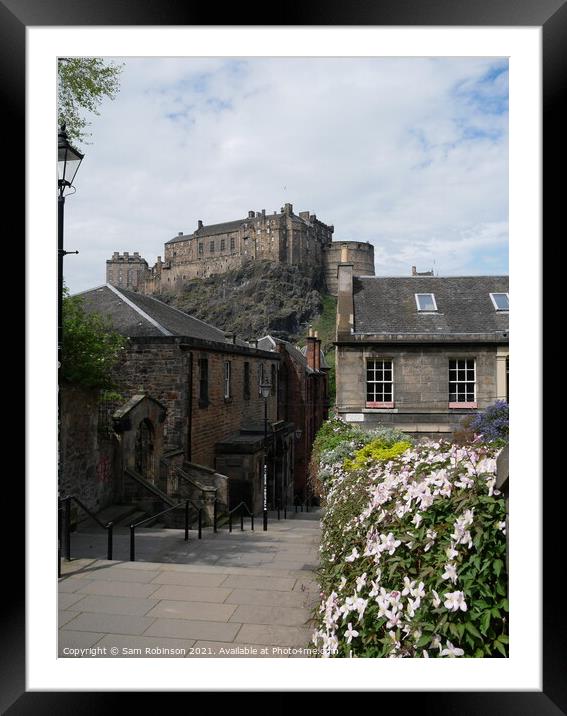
point(241, 506)
point(65, 507)
point(185, 504)
point(296, 507)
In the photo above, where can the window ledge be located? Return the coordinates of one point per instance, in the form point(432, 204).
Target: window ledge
point(379, 405)
point(463, 405)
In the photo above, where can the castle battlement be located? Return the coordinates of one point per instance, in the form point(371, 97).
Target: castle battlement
point(281, 237)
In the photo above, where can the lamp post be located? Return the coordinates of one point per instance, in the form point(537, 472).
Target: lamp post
point(68, 162)
point(265, 389)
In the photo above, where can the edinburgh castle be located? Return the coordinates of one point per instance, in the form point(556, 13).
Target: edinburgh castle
point(281, 238)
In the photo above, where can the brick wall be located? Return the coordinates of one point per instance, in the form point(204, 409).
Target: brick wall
point(170, 374)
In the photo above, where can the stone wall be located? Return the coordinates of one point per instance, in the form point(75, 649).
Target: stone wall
point(421, 385)
point(170, 372)
point(359, 254)
point(88, 455)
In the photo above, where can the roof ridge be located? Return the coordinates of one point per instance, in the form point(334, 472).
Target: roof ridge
point(139, 310)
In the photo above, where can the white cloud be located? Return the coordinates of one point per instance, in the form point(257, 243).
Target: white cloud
point(410, 154)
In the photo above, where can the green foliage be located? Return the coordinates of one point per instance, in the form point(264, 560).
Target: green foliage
point(91, 349)
point(83, 82)
point(378, 449)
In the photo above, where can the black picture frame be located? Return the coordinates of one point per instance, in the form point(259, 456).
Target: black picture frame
point(551, 16)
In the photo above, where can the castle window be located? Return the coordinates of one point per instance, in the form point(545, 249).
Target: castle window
point(379, 384)
point(222, 244)
point(232, 244)
point(201, 249)
point(212, 247)
point(462, 383)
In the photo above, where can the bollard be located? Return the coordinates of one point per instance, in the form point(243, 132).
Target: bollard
point(68, 529)
point(242, 520)
point(200, 522)
point(187, 520)
point(132, 545)
point(252, 522)
point(215, 516)
point(110, 528)
point(230, 521)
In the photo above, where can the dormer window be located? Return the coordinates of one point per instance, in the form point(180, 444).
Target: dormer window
point(425, 302)
point(500, 301)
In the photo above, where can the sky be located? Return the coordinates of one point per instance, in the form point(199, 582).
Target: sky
point(410, 154)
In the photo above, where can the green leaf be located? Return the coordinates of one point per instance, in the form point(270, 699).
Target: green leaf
point(497, 566)
point(503, 638)
point(485, 622)
point(470, 627)
point(501, 648)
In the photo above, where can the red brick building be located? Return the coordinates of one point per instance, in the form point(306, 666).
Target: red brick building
point(303, 400)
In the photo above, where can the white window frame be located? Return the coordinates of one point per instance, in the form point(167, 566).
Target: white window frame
point(500, 293)
point(227, 370)
point(467, 403)
point(425, 310)
point(379, 403)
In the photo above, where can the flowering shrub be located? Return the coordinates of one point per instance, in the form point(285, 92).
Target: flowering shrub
point(377, 449)
point(492, 423)
point(412, 556)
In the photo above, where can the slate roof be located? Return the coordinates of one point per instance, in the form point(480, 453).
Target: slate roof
point(211, 230)
point(387, 305)
point(135, 315)
point(268, 343)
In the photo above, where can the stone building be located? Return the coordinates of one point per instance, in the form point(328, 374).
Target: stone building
point(207, 382)
point(303, 401)
point(284, 237)
point(421, 352)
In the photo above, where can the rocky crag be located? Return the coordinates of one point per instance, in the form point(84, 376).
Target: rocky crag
point(259, 298)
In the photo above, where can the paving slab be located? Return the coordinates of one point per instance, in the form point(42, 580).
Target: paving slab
point(266, 597)
point(190, 579)
point(273, 635)
point(185, 629)
point(222, 650)
point(196, 611)
point(285, 616)
point(65, 600)
point(71, 584)
point(109, 623)
point(119, 589)
point(69, 641)
point(64, 616)
point(154, 647)
point(117, 574)
point(104, 604)
point(191, 594)
point(250, 582)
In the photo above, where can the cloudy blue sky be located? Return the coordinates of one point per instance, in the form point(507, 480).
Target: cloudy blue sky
point(409, 154)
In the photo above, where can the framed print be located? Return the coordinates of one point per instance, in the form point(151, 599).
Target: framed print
point(523, 35)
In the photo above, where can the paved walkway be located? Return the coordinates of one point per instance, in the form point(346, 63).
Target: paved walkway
point(245, 594)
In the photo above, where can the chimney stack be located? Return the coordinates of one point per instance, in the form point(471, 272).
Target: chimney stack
point(253, 343)
point(317, 351)
point(199, 224)
point(250, 214)
point(311, 349)
point(345, 303)
point(414, 271)
point(230, 338)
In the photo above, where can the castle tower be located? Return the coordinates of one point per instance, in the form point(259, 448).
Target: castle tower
point(127, 271)
point(358, 253)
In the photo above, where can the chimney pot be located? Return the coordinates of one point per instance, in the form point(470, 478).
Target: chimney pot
point(179, 233)
point(413, 270)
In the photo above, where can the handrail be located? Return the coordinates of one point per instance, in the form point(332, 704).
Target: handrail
point(250, 514)
point(109, 527)
point(185, 504)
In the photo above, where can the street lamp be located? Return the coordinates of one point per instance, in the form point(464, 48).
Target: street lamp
point(68, 162)
point(265, 390)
